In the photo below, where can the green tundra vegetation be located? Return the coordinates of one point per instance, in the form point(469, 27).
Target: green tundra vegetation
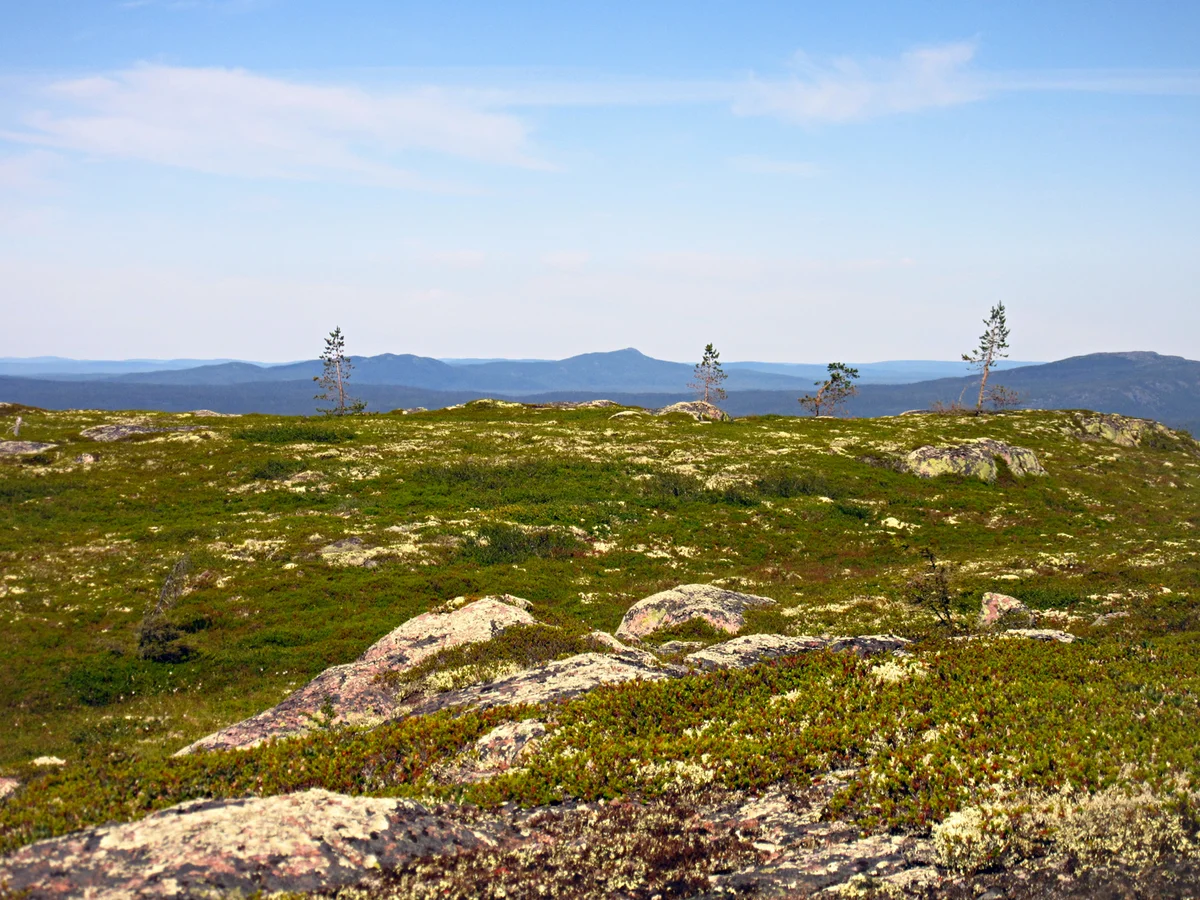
point(305, 542)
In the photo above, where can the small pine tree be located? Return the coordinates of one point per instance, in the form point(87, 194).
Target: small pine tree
point(834, 391)
point(708, 375)
point(334, 381)
point(993, 345)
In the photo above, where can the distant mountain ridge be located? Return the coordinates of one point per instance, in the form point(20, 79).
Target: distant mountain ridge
point(1166, 388)
point(626, 370)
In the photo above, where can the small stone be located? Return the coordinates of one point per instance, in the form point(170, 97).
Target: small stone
point(8, 786)
point(49, 761)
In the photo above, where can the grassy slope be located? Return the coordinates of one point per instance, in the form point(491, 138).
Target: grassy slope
point(789, 511)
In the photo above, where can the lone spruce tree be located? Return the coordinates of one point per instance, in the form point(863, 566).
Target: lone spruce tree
point(993, 345)
point(708, 375)
point(334, 381)
point(834, 391)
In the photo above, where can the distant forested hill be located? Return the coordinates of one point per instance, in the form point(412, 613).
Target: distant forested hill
point(1166, 388)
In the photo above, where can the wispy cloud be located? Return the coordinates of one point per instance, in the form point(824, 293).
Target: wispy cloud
point(30, 172)
point(845, 90)
point(761, 165)
point(234, 122)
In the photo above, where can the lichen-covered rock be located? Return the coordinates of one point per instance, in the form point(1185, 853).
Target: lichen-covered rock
point(754, 648)
point(1041, 634)
point(107, 434)
point(697, 409)
point(994, 607)
point(354, 690)
point(314, 840)
point(559, 680)
point(23, 448)
point(973, 459)
point(497, 752)
point(8, 786)
point(1125, 431)
point(722, 609)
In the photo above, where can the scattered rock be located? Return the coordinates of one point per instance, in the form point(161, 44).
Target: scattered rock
point(492, 403)
point(722, 609)
point(697, 409)
point(497, 752)
point(605, 639)
point(626, 413)
point(755, 648)
point(578, 404)
point(106, 434)
point(1041, 634)
point(49, 761)
point(1109, 617)
point(8, 786)
point(86, 459)
point(995, 607)
point(308, 841)
point(973, 459)
point(412, 410)
point(354, 691)
point(559, 680)
point(23, 448)
point(212, 414)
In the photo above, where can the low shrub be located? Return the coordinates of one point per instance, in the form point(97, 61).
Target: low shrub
point(500, 543)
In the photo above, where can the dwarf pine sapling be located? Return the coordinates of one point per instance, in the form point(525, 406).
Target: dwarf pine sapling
point(834, 391)
point(334, 380)
point(708, 375)
point(993, 345)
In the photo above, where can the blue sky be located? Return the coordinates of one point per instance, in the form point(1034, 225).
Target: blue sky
point(790, 181)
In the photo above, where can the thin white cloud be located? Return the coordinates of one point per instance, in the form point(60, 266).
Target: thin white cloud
point(761, 165)
point(566, 260)
point(30, 172)
point(234, 122)
point(846, 90)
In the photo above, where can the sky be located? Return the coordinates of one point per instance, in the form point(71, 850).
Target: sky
point(790, 181)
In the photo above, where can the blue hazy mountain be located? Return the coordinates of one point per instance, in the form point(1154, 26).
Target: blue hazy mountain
point(617, 371)
point(1146, 384)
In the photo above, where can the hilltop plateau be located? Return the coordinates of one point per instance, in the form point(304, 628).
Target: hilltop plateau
point(578, 650)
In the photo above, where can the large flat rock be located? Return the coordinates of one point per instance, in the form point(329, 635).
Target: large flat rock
point(559, 680)
point(296, 842)
point(354, 689)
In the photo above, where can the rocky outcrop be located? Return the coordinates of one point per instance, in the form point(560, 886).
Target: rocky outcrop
point(755, 648)
point(315, 840)
point(1124, 431)
point(23, 448)
point(354, 690)
point(995, 607)
point(722, 609)
point(559, 680)
point(578, 404)
point(107, 434)
point(8, 786)
point(973, 459)
point(697, 409)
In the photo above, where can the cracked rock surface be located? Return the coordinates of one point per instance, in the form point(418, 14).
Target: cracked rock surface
point(296, 842)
